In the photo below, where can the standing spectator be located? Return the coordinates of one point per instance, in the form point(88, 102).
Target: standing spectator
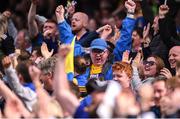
point(98, 46)
point(49, 33)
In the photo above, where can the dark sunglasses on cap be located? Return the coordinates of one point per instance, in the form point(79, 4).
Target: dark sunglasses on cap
point(149, 63)
point(98, 51)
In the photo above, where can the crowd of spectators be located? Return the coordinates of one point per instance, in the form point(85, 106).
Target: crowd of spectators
point(89, 59)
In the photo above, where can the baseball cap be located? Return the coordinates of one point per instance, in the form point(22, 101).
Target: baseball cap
point(99, 44)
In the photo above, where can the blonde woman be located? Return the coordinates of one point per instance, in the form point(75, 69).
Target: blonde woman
point(3, 26)
point(6, 41)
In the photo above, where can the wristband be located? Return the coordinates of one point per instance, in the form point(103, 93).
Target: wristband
point(161, 16)
point(130, 11)
point(130, 15)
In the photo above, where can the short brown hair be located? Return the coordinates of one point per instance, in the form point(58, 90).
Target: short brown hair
point(51, 21)
point(123, 66)
point(23, 69)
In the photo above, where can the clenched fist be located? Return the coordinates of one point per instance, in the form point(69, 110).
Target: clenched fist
point(60, 13)
point(130, 6)
point(6, 62)
point(163, 10)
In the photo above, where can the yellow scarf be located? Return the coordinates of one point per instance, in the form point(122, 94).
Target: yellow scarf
point(95, 69)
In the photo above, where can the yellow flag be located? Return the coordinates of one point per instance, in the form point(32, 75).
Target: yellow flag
point(69, 63)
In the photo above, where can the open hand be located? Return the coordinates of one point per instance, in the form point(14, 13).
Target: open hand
point(165, 72)
point(45, 52)
point(70, 8)
point(146, 39)
point(125, 57)
point(137, 60)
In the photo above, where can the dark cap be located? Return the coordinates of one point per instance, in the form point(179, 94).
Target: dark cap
point(95, 85)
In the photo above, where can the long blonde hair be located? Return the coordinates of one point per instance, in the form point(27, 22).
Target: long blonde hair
point(3, 24)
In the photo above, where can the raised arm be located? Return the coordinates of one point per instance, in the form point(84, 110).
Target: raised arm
point(147, 11)
point(44, 100)
point(66, 98)
point(26, 94)
point(167, 27)
point(13, 79)
point(12, 31)
point(125, 42)
point(16, 110)
point(32, 25)
point(65, 31)
point(5, 91)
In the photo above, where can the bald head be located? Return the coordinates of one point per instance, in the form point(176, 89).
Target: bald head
point(83, 16)
point(174, 56)
point(79, 21)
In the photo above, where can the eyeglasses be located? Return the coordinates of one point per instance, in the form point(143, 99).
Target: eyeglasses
point(149, 63)
point(98, 51)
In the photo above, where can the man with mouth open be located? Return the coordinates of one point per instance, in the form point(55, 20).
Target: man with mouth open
point(98, 47)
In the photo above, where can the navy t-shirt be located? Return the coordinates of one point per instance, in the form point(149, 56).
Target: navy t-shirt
point(51, 44)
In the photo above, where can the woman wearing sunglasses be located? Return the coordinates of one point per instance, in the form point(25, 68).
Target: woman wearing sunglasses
point(151, 68)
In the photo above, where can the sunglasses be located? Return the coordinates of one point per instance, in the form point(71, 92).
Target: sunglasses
point(149, 63)
point(98, 51)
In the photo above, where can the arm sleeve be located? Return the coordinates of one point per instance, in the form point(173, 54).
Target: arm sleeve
point(24, 93)
point(125, 41)
point(136, 81)
point(147, 11)
point(66, 35)
point(168, 34)
point(89, 38)
point(12, 29)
